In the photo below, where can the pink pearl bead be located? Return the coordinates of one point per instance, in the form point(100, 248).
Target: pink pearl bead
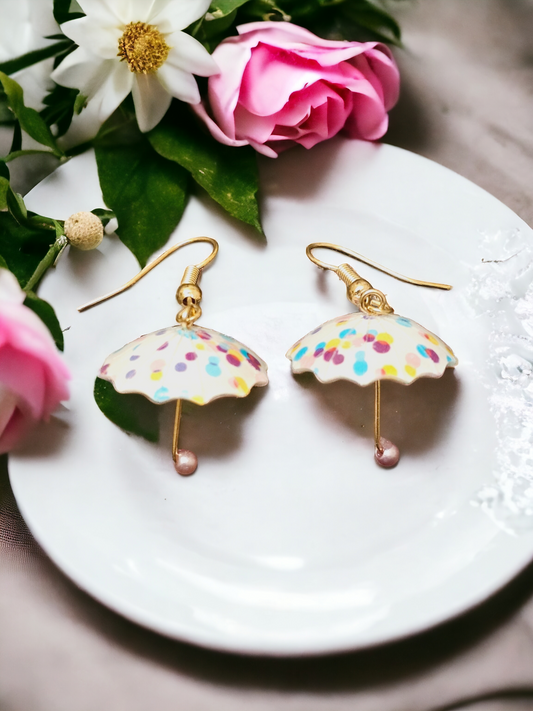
point(186, 462)
point(389, 456)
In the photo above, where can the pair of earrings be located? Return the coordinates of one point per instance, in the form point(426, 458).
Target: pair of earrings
point(188, 362)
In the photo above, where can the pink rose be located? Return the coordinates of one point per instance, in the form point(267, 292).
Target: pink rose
point(280, 85)
point(32, 375)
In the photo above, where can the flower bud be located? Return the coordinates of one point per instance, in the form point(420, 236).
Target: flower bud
point(84, 230)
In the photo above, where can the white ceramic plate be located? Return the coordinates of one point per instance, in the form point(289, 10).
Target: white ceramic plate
point(289, 539)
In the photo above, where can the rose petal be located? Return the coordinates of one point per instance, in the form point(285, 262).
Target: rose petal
point(14, 430)
point(214, 129)
point(10, 290)
point(279, 85)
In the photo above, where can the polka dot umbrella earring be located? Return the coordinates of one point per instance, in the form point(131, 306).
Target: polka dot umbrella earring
point(370, 345)
point(183, 362)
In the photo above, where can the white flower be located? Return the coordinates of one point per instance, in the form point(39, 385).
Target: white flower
point(23, 27)
point(134, 46)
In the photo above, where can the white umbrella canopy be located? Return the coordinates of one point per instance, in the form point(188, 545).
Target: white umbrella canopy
point(180, 363)
point(364, 348)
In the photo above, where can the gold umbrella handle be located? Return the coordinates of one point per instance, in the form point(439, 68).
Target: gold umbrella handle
point(185, 461)
point(377, 416)
point(386, 453)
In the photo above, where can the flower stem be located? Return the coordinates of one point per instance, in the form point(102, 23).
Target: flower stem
point(46, 262)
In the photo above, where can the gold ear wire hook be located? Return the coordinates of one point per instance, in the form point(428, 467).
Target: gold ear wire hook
point(369, 262)
point(359, 291)
point(191, 276)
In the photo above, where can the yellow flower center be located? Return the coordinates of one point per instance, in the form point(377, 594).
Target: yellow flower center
point(143, 47)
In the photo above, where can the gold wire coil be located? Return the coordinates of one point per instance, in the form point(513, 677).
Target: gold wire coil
point(347, 274)
point(191, 275)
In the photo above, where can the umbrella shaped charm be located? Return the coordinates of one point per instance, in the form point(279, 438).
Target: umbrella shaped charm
point(183, 362)
point(370, 345)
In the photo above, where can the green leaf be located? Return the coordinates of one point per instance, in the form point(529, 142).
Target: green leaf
point(65, 10)
point(105, 215)
point(4, 189)
point(60, 106)
point(16, 206)
point(221, 8)
point(4, 185)
point(30, 120)
point(47, 315)
point(16, 141)
point(22, 247)
point(147, 193)
point(37, 55)
point(6, 116)
point(3, 263)
point(29, 152)
point(374, 19)
point(265, 10)
point(133, 413)
point(80, 104)
point(228, 174)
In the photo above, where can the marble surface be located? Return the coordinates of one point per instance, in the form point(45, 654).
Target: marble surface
point(467, 102)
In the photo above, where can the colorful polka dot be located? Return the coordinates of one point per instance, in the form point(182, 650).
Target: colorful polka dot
point(161, 395)
point(180, 367)
point(404, 322)
point(134, 357)
point(319, 348)
point(410, 370)
point(241, 384)
point(163, 346)
point(431, 338)
point(156, 375)
point(130, 374)
point(252, 360)
point(381, 346)
point(413, 359)
point(213, 368)
point(301, 353)
point(389, 370)
point(360, 366)
point(347, 332)
point(191, 356)
point(233, 360)
point(198, 400)
point(428, 353)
